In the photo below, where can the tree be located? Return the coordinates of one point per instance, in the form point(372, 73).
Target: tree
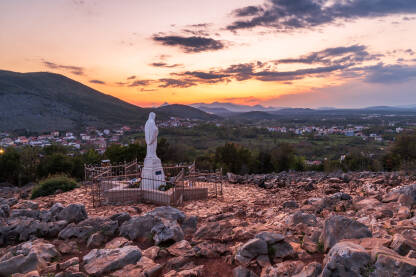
point(405, 147)
point(10, 166)
point(55, 163)
point(263, 163)
point(233, 158)
point(283, 157)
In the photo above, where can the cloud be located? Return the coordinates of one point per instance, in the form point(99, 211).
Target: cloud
point(335, 55)
point(285, 15)
point(140, 83)
point(248, 99)
point(387, 74)
point(248, 11)
point(77, 70)
point(206, 75)
point(191, 44)
point(163, 64)
point(176, 83)
point(131, 77)
point(97, 82)
point(352, 62)
point(357, 93)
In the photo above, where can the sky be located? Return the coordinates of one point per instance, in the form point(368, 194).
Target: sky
point(281, 53)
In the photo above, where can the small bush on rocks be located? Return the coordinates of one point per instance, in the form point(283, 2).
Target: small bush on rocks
point(53, 184)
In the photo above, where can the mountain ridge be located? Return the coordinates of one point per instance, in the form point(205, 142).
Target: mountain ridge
point(44, 101)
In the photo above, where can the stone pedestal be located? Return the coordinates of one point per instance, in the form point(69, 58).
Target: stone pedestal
point(152, 175)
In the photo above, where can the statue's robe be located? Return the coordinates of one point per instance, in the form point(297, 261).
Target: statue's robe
point(151, 131)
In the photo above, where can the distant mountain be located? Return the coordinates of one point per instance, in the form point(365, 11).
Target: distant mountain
point(232, 107)
point(252, 116)
point(223, 112)
point(43, 101)
point(184, 111)
point(407, 106)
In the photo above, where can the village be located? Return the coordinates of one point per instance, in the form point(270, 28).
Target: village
point(101, 138)
point(91, 136)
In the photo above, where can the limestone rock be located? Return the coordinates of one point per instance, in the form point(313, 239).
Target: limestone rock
point(346, 259)
point(85, 228)
point(388, 264)
point(29, 274)
point(215, 231)
point(145, 267)
point(287, 268)
point(302, 218)
point(102, 261)
point(189, 225)
point(339, 227)
point(402, 245)
point(96, 240)
point(250, 250)
point(167, 232)
point(169, 213)
point(139, 226)
point(27, 257)
point(210, 249)
point(120, 217)
point(118, 243)
point(4, 210)
point(73, 213)
point(313, 269)
point(181, 248)
point(241, 271)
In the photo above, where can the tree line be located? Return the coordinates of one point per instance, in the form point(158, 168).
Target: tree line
point(22, 165)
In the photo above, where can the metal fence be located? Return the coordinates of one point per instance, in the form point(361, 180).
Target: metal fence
point(123, 184)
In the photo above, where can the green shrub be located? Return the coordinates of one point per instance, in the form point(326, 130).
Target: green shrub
point(52, 184)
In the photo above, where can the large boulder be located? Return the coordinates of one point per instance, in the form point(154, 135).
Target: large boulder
point(73, 213)
point(387, 263)
point(215, 231)
point(181, 249)
point(4, 210)
point(89, 226)
point(21, 229)
point(99, 262)
point(346, 259)
point(8, 201)
point(302, 218)
point(334, 199)
point(121, 217)
point(167, 232)
point(27, 257)
point(251, 250)
point(145, 267)
point(169, 213)
point(24, 213)
point(402, 245)
point(338, 227)
point(408, 191)
point(139, 227)
point(265, 245)
point(287, 268)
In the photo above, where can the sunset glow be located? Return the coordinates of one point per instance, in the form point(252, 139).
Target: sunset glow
point(151, 52)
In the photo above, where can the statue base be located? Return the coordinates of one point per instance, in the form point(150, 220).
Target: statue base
point(152, 174)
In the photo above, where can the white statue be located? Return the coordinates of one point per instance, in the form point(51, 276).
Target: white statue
point(152, 174)
point(150, 133)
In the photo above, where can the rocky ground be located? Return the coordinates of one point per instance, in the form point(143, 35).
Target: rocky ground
point(297, 224)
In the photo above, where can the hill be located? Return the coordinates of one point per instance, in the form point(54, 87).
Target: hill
point(184, 111)
point(231, 107)
point(255, 115)
point(43, 101)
